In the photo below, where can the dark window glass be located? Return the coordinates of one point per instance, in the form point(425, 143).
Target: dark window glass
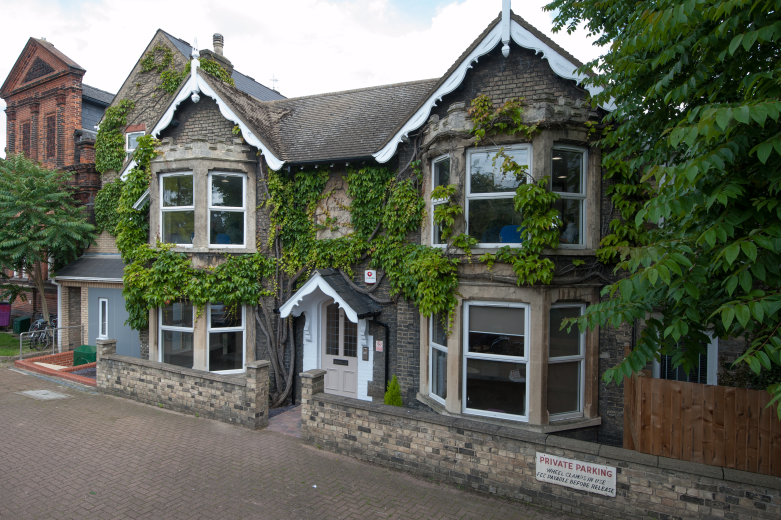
point(226, 351)
point(494, 221)
point(563, 343)
point(26, 139)
point(51, 137)
point(227, 227)
point(178, 348)
point(178, 227)
point(439, 373)
point(442, 173)
point(224, 317)
point(439, 326)
point(332, 330)
point(496, 330)
point(496, 386)
point(567, 171)
point(697, 374)
point(570, 212)
point(177, 191)
point(350, 338)
point(178, 314)
point(228, 191)
point(485, 177)
point(564, 387)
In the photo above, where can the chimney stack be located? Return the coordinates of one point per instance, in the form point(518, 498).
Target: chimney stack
point(219, 43)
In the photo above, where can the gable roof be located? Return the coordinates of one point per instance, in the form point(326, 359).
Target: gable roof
point(48, 58)
point(243, 82)
point(330, 282)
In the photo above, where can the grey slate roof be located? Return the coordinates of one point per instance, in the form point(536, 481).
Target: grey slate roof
point(94, 267)
point(363, 306)
point(335, 126)
point(243, 82)
point(97, 95)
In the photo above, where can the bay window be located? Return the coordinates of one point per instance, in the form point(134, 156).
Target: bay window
point(437, 356)
point(177, 210)
point(490, 209)
point(440, 170)
point(568, 180)
point(226, 338)
point(495, 360)
point(227, 209)
point(566, 365)
point(176, 334)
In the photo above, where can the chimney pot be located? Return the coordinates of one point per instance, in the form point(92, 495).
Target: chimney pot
point(219, 42)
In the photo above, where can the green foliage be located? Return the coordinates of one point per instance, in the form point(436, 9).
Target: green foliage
point(41, 219)
point(107, 206)
point(696, 85)
point(445, 213)
point(393, 394)
point(150, 62)
point(506, 119)
point(161, 61)
point(368, 188)
point(110, 142)
point(132, 229)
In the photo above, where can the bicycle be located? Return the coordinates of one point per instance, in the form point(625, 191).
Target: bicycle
point(41, 337)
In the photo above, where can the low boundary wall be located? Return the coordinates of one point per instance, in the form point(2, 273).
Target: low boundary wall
point(64, 359)
point(501, 460)
point(235, 399)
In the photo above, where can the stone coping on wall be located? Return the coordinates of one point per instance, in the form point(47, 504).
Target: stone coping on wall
point(235, 379)
point(557, 426)
point(608, 452)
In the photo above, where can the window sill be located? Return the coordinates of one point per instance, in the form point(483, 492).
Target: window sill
point(234, 250)
point(557, 426)
point(573, 251)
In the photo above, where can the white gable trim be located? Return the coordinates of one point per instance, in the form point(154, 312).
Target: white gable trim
point(315, 282)
point(560, 65)
point(194, 85)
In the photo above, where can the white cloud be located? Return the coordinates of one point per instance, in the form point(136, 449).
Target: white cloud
point(312, 46)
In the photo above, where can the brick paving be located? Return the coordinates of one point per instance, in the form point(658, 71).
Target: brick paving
point(288, 423)
point(95, 456)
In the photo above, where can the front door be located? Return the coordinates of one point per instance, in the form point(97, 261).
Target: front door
point(340, 352)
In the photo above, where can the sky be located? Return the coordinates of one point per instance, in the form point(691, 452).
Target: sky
point(310, 46)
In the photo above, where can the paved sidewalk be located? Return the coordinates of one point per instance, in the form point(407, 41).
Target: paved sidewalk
point(94, 456)
point(288, 422)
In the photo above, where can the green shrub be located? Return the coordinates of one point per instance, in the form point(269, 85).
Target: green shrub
point(393, 395)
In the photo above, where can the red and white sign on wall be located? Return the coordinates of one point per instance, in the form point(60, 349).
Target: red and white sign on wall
point(379, 346)
point(576, 474)
point(370, 276)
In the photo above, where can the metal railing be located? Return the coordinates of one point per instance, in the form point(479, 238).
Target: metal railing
point(56, 339)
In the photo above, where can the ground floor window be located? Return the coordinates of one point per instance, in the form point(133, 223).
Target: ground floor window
point(566, 364)
point(705, 372)
point(176, 334)
point(103, 318)
point(495, 360)
point(437, 356)
point(226, 338)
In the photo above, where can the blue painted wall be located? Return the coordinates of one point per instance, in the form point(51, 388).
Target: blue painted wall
point(128, 342)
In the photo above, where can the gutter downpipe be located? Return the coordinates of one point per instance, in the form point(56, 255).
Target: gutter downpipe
point(386, 349)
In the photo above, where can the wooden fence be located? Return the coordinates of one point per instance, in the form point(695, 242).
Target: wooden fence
point(716, 425)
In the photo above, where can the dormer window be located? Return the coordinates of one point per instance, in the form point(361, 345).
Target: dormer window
point(131, 141)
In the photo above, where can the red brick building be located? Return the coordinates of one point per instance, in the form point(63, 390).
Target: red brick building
point(51, 117)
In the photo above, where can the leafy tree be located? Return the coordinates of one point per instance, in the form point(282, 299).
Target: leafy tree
point(694, 146)
point(40, 220)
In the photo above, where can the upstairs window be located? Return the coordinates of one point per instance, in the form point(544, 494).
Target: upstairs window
point(440, 170)
point(568, 180)
point(490, 209)
point(227, 209)
point(177, 212)
point(131, 141)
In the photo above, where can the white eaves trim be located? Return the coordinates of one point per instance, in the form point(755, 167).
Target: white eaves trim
point(316, 282)
point(88, 279)
point(142, 200)
point(560, 65)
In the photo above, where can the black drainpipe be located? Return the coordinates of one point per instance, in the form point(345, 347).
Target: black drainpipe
point(386, 348)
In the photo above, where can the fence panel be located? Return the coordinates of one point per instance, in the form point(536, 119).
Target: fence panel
point(720, 426)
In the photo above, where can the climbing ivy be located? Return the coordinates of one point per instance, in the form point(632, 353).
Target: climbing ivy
point(110, 141)
point(106, 204)
point(170, 78)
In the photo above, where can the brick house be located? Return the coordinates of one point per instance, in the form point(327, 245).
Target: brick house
point(51, 117)
point(92, 285)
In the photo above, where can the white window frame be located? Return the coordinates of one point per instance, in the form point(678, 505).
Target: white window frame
point(127, 140)
point(493, 357)
point(242, 329)
point(713, 362)
point(162, 327)
point(582, 196)
point(242, 209)
point(431, 347)
point(436, 202)
point(501, 195)
point(569, 359)
point(102, 316)
point(164, 209)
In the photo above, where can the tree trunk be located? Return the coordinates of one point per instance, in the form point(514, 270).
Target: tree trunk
point(38, 281)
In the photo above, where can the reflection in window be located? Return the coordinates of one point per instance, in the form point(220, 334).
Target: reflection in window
point(495, 378)
point(441, 174)
point(226, 210)
point(350, 338)
point(568, 180)
point(491, 217)
point(226, 338)
point(566, 356)
point(438, 356)
point(176, 334)
point(332, 330)
point(177, 209)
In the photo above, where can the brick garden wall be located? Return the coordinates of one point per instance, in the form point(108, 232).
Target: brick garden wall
point(501, 460)
point(235, 399)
